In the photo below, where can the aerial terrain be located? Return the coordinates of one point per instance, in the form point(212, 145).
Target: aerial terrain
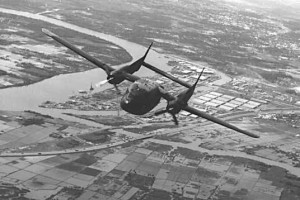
point(61, 137)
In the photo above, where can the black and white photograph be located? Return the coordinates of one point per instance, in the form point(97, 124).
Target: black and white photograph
point(149, 100)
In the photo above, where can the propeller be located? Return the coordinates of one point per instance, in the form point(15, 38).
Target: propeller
point(116, 76)
point(101, 83)
point(167, 110)
point(180, 101)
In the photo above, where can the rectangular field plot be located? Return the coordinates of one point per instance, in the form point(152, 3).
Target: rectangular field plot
point(22, 175)
point(181, 174)
point(148, 167)
point(104, 165)
point(136, 157)
point(127, 166)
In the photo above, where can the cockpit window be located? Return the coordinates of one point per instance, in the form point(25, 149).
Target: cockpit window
point(134, 87)
point(135, 90)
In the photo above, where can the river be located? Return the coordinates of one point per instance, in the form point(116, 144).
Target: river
point(60, 87)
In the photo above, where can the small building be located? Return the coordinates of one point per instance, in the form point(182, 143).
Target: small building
point(236, 102)
point(211, 104)
point(217, 101)
point(208, 71)
point(198, 101)
point(222, 99)
point(209, 96)
point(186, 71)
point(253, 103)
point(159, 81)
point(227, 108)
point(241, 100)
point(227, 97)
point(216, 94)
point(204, 98)
point(247, 105)
point(231, 105)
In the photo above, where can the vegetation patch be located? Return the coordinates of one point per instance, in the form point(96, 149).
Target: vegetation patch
point(108, 185)
point(241, 192)
point(72, 166)
point(200, 171)
point(158, 147)
point(86, 160)
point(67, 143)
point(188, 153)
point(139, 181)
point(71, 192)
point(32, 121)
point(99, 136)
point(8, 191)
point(159, 194)
point(172, 139)
point(90, 171)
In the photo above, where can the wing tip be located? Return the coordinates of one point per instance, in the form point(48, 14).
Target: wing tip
point(47, 32)
point(250, 134)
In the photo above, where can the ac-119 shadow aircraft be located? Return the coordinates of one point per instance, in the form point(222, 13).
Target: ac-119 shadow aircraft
point(144, 94)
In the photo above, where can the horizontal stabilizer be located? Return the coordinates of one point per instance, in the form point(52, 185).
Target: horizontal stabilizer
point(136, 65)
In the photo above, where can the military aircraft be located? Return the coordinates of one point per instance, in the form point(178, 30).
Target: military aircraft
point(144, 94)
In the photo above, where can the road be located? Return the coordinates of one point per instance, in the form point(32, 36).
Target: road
point(76, 150)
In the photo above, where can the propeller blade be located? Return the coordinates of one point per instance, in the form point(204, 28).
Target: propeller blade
point(175, 119)
point(101, 83)
point(117, 89)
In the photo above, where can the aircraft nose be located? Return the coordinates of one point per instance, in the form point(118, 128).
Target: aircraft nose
point(127, 100)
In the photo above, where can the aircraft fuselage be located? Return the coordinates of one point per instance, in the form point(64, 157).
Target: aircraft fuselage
point(141, 97)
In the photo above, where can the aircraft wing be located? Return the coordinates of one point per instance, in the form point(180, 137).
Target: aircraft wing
point(218, 121)
point(93, 60)
point(167, 75)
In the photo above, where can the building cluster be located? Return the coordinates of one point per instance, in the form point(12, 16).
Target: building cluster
point(292, 119)
point(225, 102)
point(267, 93)
point(188, 72)
point(83, 102)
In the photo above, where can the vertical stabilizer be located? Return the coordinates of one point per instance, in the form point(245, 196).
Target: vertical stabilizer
point(135, 66)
